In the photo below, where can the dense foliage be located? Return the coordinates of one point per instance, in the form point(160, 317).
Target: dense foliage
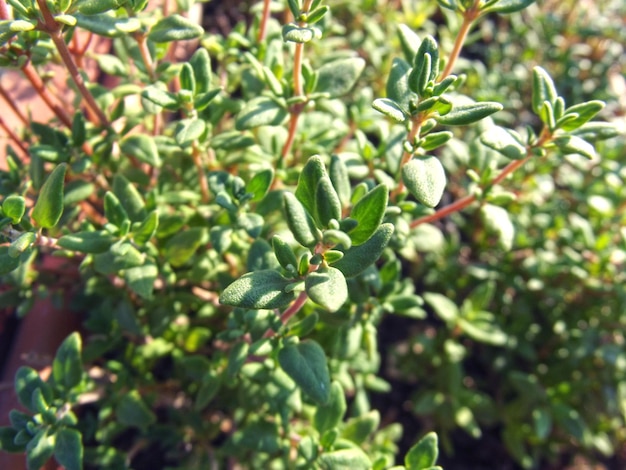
point(324, 206)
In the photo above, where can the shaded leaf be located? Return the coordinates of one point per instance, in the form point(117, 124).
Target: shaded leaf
point(339, 76)
point(469, 113)
point(259, 289)
point(369, 212)
point(306, 364)
point(49, 206)
point(68, 449)
point(358, 258)
point(505, 141)
point(425, 179)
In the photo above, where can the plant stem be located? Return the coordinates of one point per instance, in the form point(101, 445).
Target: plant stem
point(13, 106)
point(289, 312)
point(13, 136)
point(416, 126)
point(29, 72)
point(53, 29)
point(145, 55)
point(264, 18)
point(469, 16)
point(204, 185)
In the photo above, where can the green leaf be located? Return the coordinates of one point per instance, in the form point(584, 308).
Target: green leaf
point(409, 41)
point(390, 109)
point(21, 244)
point(305, 363)
point(236, 359)
point(49, 206)
point(140, 279)
point(129, 198)
point(7, 262)
point(14, 207)
point(189, 130)
point(87, 242)
point(67, 366)
point(340, 178)
point(572, 144)
point(68, 449)
point(175, 28)
point(259, 289)
point(92, 7)
point(181, 247)
point(79, 131)
point(505, 141)
point(102, 24)
point(300, 222)
point(543, 89)
point(583, 113)
point(344, 459)
point(358, 258)
point(330, 415)
point(469, 113)
point(327, 203)
point(507, 6)
point(497, 221)
point(359, 428)
point(186, 78)
point(299, 34)
point(339, 76)
point(423, 455)
point(313, 171)
point(435, 140)
point(260, 184)
point(7, 440)
point(261, 111)
point(39, 449)
point(444, 308)
point(142, 147)
point(285, 255)
point(144, 231)
point(120, 256)
point(481, 326)
point(369, 212)
point(398, 84)
point(327, 287)
point(160, 97)
point(200, 63)
point(26, 381)
point(425, 179)
point(133, 412)
point(114, 211)
point(209, 386)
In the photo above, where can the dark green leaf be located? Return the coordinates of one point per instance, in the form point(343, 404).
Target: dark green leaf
point(508, 6)
point(129, 198)
point(306, 364)
point(132, 411)
point(259, 289)
point(87, 242)
point(425, 179)
point(339, 76)
point(583, 112)
point(186, 78)
point(505, 141)
point(285, 255)
point(210, 385)
point(181, 247)
point(175, 28)
point(114, 211)
point(236, 359)
point(140, 279)
point(435, 140)
point(300, 222)
point(39, 449)
point(260, 184)
point(369, 212)
point(160, 97)
point(358, 258)
point(409, 41)
point(200, 62)
point(469, 113)
point(26, 381)
point(14, 207)
point(423, 455)
point(144, 231)
point(92, 7)
point(189, 130)
point(120, 256)
point(21, 244)
point(49, 206)
point(261, 111)
point(7, 262)
point(327, 287)
point(142, 147)
point(68, 449)
point(331, 414)
point(7, 440)
point(308, 180)
point(67, 367)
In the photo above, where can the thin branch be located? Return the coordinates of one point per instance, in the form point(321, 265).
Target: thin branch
point(264, 19)
point(145, 55)
point(13, 136)
point(33, 77)
point(416, 126)
point(53, 29)
point(202, 179)
point(469, 16)
point(289, 312)
point(13, 106)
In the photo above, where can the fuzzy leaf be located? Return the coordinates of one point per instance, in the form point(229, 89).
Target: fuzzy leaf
point(175, 28)
point(300, 222)
point(338, 173)
point(508, 6)
point(584, 112)
point(285, 255)
point(327, 204)
point(331, 414)
point(358, 258)
point(310, 176)
point(327, 287)
point(390, 109)
point(423, 454)
point(339, 76)
point(260, 111)
point(369, 212)
point(573, 144)
point(505, 141)
point(543, 89)
point(49, 206)
point(68, 449)
point(425, 179)
point(92, 7)
point(258, 289)
point(435, 140)
point(299, 34)
point(305, 363)
point(469, 113)
point(398, 84)
point(409, 41)
point(344, 459)
point(497, 221)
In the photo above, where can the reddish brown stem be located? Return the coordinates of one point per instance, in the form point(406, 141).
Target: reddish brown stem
point(416, 126)
point(53, 29)
point(145, 55)
point(204, 185)
point(16, 140)
point(13, 106)
point(469, 16)
point(264, 19)
point(289, 312)
point(31, 74)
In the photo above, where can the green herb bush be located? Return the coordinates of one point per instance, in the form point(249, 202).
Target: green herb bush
point(248, 222)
